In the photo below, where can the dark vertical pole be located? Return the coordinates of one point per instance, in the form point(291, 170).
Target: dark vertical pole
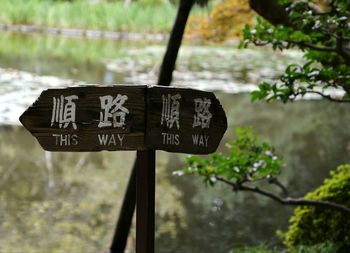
point(165, 77)
point(145, 201)
point(125, 217)
point(174, 43)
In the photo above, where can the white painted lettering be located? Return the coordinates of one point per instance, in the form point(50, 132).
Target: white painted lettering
point(200, 140)
point(206, 137)
point(121, 138)
point(171, 110)
point(103, 138)
point(113, 112)
point(171, 139)
point(112, 141)
point(57, 137)
point(63, 111)
point(203, 116)
point(195, 139)
point(75, 139)
point(66, 139)
point(164, 137)
point(177, 139)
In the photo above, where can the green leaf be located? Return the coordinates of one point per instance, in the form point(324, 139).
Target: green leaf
point(247, 158)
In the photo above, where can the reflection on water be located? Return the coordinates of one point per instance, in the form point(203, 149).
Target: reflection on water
point(308, 134)
point(68, 202)
point(76, 202)
point(105, 62)
point(48, 62)
point(62, 202)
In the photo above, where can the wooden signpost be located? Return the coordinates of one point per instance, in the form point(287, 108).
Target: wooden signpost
point(184, 120)
point(88, 118)
point(142, 118)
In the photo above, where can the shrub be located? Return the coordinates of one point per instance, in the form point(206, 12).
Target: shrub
point(313, 225)
point(225, 21)
point(319, 248)
point(326, 247)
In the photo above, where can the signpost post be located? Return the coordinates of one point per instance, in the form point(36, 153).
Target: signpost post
point(142, 118)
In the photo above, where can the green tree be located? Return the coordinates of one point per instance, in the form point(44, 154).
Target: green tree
point(321, 31)
point(253, 166)
point(248, 163)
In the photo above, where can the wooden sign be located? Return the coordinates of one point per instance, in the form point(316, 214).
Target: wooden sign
point(184, 120)
point(88, 118)
point(95, 118)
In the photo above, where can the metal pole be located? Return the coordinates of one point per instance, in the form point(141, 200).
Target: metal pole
point(145, 201)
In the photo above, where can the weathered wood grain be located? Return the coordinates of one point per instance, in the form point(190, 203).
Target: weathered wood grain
point(37, 119)
point(146, 123)
point(186, 138)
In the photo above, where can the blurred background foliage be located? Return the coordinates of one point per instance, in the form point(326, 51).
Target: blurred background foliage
point(217, 21)
point(64, 202)
point(224, 21)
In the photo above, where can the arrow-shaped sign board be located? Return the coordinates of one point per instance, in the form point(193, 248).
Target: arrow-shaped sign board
point(95, 118)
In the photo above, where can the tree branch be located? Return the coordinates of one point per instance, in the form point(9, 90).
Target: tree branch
point(342, 49)
point(297, 201)
point(276, 182)
point(274, 12)
point(302, 45)
point(271, 10)
point(328, 97)
point(286, 200)
point(314, 47)
point(260, 43)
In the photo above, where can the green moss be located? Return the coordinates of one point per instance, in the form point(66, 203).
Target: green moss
point(313, 225)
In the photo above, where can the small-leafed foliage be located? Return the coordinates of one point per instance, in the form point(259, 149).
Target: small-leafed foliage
point(322, 33)
point(248, 160)
point(311, 225)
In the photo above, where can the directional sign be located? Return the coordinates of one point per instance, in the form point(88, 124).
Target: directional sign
point(88, 118)
point(95, 118)
point(184, 120)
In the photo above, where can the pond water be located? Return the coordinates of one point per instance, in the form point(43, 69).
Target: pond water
point(69, 202)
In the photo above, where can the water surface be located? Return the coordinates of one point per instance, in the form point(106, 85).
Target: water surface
point(68, 202)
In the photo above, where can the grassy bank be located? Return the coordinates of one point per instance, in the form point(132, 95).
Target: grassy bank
point(102, 15)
